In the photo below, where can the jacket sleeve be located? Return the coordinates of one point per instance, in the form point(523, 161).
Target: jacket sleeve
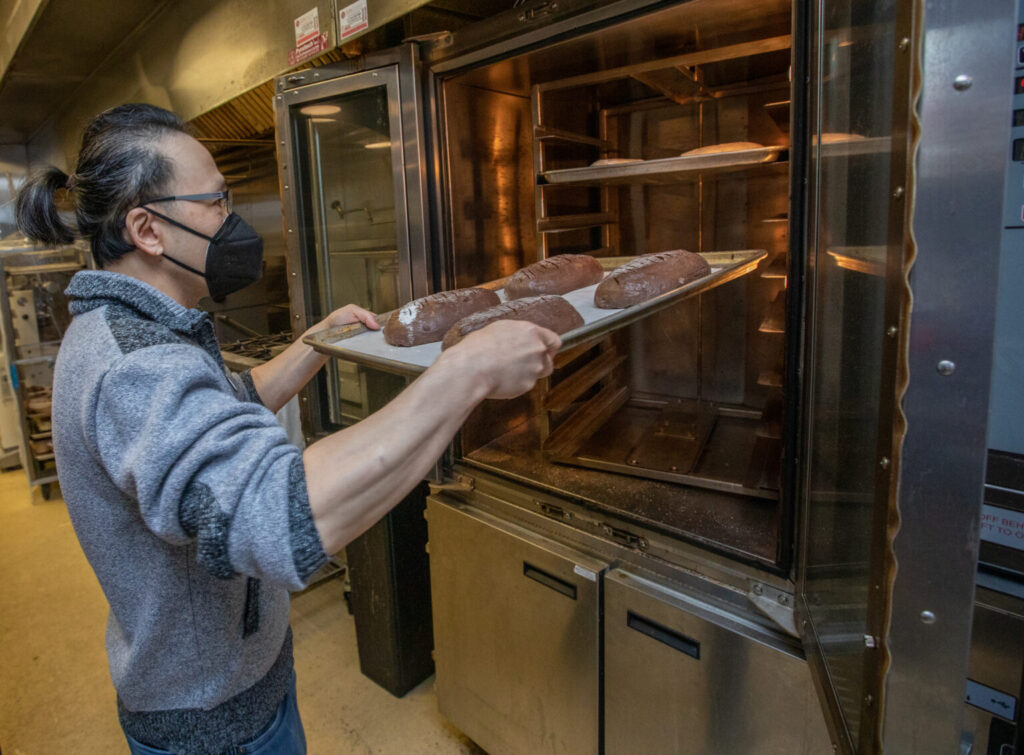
point(205, 467)
point(243, 386)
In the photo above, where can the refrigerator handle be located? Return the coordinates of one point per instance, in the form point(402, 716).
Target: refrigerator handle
point(568, 589)
point(664, 635)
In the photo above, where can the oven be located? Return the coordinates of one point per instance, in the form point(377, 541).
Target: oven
point(702, 501)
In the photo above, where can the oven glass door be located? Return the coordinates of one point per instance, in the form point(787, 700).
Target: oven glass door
point(355, 148)
point(855, 247)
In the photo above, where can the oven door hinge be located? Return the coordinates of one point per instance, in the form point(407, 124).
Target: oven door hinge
point(625, 537)
point(460, 484)
point(538, 11)
point(552, 511)
point(775, 604)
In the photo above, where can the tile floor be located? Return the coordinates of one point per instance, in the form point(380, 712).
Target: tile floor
point(55, 692)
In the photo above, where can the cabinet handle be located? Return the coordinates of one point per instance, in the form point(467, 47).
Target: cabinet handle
point(568, 589)
point(664, 635)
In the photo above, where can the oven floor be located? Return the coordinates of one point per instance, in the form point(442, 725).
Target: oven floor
point(736, 524)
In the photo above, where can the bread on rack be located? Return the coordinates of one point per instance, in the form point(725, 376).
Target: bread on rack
point(715, 149)
point(427, 319)
point(647, 276)
point(835, 137)
point(548, 311)
point(555, 275)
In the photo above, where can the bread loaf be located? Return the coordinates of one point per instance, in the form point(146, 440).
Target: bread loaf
point(715, 149)
point(552, 312)
point(648, 276)
point(426, 320)
point(555, 275)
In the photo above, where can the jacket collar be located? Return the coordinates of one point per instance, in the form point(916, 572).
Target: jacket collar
point(91, 289)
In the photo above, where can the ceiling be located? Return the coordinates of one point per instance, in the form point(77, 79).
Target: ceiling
point(71, 40)
point(68, 41)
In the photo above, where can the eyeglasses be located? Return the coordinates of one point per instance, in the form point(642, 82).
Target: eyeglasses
point(223, 197)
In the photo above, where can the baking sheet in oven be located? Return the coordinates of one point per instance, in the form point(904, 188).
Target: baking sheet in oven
point(355, 343)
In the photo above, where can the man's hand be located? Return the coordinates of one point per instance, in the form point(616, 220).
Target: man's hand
point(509, 356)
point(283, 376)
point(347, 315)
point(356, 475)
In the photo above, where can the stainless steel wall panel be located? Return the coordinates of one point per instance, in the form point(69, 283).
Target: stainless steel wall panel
point(516, 628)
point(490, 183)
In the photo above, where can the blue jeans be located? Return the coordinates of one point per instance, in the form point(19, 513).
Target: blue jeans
point(284, 735)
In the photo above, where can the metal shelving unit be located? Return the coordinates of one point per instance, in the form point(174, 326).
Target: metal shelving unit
point(34, 316)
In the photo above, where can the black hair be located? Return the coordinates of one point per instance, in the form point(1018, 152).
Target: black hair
point(119, 165)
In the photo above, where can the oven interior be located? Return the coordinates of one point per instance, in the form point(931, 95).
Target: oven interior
point(675, 421)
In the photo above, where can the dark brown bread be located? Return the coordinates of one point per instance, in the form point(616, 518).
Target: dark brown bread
point(551, 312)
point(555, 275)
point(648, 276)
point(426, 320)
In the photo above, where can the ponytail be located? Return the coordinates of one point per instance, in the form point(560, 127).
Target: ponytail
point(36, 208)
point(121, 163)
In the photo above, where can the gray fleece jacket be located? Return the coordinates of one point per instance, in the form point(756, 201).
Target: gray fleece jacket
point(190, 505)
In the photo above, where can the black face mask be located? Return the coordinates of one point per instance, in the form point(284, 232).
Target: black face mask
point(234, 258)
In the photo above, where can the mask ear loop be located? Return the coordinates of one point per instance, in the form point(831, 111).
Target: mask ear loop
point(183, 227)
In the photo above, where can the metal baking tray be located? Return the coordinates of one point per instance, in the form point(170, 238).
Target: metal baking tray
point(356, 343)
point(666, 169)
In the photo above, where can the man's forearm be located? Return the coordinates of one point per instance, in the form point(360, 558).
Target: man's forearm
point(355, 476)
point(283, 376)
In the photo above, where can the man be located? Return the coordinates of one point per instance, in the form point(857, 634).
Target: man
point(191, 506)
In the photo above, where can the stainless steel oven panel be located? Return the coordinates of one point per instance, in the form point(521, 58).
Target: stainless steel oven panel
point(681, 676)
point(516, 633)
point(965, 119)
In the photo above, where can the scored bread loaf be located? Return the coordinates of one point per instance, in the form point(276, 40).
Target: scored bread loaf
point(648, 276)
point(427, 319)
point(549, 311)
point(555, 275)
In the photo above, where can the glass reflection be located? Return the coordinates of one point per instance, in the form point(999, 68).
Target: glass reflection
point(351, 188)
point(851, 156)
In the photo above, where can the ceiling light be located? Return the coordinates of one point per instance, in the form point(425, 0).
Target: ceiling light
point(377, 145)
point(320, 109)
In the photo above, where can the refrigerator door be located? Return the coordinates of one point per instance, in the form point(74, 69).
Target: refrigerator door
point(516, 634)
point(350, 140)
point(901, 284)
point(684, 676)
